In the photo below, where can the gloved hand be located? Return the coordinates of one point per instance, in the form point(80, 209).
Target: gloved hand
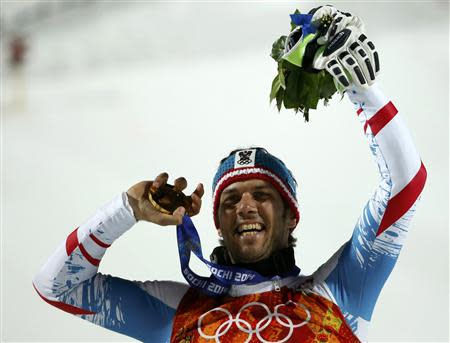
point(348, 55)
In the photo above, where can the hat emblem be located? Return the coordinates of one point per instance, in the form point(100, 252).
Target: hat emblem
point(244, 157)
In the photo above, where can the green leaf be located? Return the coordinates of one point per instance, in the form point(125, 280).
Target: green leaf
point(291, 98)
point(281, 73)
point(306, 115)
point(280, 96)
point(278, 48)
point(276, 84)
point(339, 87)
point(289, 66)
point(310, 90)
point(297, 88)
point(326, 85)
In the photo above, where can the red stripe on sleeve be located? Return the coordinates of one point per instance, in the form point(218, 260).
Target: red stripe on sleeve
point(402, 202)
point(382, 117)
point(88, 257)
point(71, 242)
point(63, 306)
point(365, 127)
point(358, 112)
point(99, 242)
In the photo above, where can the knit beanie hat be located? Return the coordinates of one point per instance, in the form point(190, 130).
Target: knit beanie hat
point(255, 163)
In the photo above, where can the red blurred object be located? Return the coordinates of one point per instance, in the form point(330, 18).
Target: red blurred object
point(17, 50)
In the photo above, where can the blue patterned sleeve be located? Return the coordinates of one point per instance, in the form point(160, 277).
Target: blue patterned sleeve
point(355, 275)
point(127, 307)
point(70, 281)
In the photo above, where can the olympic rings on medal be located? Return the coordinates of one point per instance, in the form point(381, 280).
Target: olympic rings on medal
point(245, 326)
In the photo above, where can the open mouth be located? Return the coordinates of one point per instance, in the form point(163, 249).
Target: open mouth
point(249, 229)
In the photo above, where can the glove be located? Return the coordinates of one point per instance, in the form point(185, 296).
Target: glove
point(347, 54)
point(339, 21)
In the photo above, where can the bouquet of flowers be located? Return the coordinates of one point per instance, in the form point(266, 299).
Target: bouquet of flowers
point(297, 84)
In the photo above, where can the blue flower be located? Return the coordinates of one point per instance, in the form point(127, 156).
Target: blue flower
point(304, 20)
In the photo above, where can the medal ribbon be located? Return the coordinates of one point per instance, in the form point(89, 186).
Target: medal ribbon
point(222, 277)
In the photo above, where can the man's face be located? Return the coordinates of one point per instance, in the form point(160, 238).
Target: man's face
point(253, 220)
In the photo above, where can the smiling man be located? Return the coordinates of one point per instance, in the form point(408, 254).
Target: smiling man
point(254, 222)
point(256, 292)
point(255, 206)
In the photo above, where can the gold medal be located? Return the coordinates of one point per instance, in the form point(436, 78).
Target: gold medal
point(168, 198)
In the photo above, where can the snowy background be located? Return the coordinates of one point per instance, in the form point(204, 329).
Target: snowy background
point(112, 93)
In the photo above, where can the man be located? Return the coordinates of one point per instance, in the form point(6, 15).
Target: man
point(255, 293)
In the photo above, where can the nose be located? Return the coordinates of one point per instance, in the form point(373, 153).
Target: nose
point(247, 206)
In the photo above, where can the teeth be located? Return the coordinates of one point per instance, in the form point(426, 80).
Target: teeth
point(246, 227)
point(249, 233)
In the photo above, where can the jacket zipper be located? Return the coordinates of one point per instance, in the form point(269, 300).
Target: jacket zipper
point(276, 285)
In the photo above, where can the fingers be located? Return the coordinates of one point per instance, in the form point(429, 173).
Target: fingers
point(354, 63)
point(180, 184)
point(353, 68)
point(364, 70)
point(178, 214)
point(170, 219)
point(340, 22)
point(349, 56)
point(160, 180)
point(338, 72)
point(197, 199)
point(199, 190)
point(347, 68)
point(356, 21)
point(369, 47)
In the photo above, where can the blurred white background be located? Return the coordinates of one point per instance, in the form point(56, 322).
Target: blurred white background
point(111, 93)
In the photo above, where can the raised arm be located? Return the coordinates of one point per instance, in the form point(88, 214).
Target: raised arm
point(70, 281)
point(355, 275)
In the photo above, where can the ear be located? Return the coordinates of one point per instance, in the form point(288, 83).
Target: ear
point(291, 222)
point(219, 232)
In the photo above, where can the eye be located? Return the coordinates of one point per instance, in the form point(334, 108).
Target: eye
point(261, 196)
point(230, 201)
